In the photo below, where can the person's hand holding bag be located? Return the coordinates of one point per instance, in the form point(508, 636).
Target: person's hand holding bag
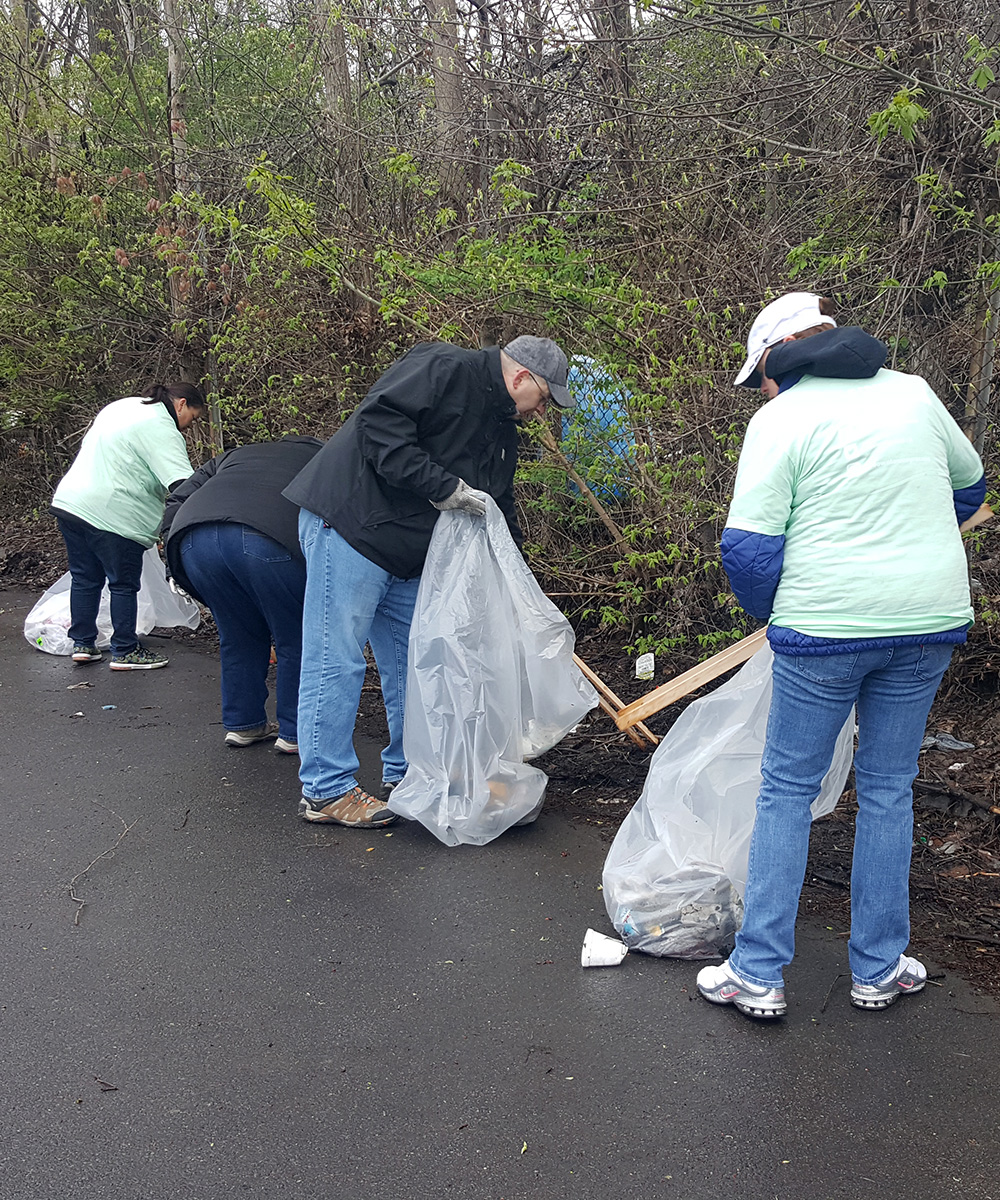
point(464, 499)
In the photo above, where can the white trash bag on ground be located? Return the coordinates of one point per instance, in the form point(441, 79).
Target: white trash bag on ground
point(47, 625)
point(675, 875)
point(490, 682)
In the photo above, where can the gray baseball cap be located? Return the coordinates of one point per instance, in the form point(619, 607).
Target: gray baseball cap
point(542, 357)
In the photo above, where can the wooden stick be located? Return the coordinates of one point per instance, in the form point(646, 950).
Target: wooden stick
point(550, 443)
point(612, 713)
point(599, 683)
point(691, 680)
point(612, 705)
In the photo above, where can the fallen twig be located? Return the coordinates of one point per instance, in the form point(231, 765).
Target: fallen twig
point(973, 937)
point(836, 980)
point(927, 788)
point(841, 883)
point(104, 854)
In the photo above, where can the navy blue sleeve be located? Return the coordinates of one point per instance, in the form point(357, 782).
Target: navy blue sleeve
point(183, 488)
point(967, 500)
point(753, 564)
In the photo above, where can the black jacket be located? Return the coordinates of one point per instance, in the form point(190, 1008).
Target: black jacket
point(437, 415)
point(243, 487)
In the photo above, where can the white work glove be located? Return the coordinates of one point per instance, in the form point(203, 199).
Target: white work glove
point(465, 499)
point(177, 589)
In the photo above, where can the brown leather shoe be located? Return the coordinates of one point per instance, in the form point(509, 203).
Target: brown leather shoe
point(355, 808)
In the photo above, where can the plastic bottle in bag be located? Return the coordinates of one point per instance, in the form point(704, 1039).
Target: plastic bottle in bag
point(675, 874)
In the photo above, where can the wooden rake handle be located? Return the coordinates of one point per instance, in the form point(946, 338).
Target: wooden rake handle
point(691, 680)
point(611, 704)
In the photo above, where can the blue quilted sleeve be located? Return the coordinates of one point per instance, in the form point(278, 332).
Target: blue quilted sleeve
point(967, 500)
point(753, 564)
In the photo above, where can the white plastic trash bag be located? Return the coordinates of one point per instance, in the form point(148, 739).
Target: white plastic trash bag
point(490, 682)
point(47, 625)
point(675, 875)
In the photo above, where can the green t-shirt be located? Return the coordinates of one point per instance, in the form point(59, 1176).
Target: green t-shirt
point(130, 456)
point(858, 475)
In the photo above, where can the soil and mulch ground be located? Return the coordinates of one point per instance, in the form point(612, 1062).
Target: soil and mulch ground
point(596, 775)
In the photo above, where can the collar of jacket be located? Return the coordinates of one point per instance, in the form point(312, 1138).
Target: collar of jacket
point(505, 407)
point(843, 353)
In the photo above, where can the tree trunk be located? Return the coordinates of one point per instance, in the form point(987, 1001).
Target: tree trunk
point(978, 411)
point(24, 22)
point(448, 67)
point(177, 69)
point(105, 30)
point(331, 43)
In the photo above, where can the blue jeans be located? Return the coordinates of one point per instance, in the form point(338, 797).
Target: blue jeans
point(893, 688)
point(349, 601)
point(254, 587)
point(95, 555)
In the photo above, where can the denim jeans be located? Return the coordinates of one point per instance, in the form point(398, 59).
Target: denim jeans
point(893, 688)
point(254, 587)
point(349, 601)
point(96, 555)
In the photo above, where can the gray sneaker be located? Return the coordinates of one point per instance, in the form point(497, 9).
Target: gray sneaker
point(907, 976)
point(286, 746)
point(247, 737)
point(139, 659)
point(722, 985)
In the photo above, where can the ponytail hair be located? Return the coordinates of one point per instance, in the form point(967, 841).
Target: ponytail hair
point(167, 393)
point(827, 308)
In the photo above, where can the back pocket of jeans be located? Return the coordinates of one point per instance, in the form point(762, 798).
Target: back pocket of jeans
point(265, 549)
point(933, 660)
point(826, 668)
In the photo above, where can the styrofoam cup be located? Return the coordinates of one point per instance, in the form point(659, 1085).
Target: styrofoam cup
point(599, 950)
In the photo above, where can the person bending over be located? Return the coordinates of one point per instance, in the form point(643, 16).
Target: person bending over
point(231, 541)
point(109, 506)
point(436, 432)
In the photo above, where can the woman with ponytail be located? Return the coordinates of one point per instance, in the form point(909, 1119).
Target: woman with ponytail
point(109, 506)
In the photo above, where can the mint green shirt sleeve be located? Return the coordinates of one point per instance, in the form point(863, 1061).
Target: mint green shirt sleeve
point(762, 497)
point(163, 447)
point(964, 465)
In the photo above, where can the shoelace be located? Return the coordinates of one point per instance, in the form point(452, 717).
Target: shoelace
point(360, 796)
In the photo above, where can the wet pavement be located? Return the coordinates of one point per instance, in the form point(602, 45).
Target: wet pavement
point(205, 997)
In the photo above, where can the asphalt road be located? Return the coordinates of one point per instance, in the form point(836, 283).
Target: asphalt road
point(242, 1004)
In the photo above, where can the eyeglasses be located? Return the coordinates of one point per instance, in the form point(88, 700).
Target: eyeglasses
point(546, 393)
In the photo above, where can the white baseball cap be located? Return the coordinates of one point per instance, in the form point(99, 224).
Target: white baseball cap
point(780, 319)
